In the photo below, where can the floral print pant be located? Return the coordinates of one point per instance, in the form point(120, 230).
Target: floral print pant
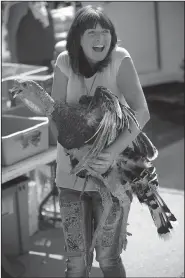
point(79, 220)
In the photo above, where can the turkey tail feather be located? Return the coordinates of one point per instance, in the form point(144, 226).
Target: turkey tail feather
point(161, 214)
point(131, 114)
point(151, 151)
point(170, 216)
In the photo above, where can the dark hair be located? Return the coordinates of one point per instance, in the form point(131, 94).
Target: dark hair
point(87, 18)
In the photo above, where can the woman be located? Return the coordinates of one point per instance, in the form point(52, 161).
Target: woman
point(93, 59)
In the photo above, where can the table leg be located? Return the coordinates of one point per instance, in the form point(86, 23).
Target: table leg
point(53, 193)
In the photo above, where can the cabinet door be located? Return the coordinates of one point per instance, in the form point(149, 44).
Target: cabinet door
point(135, 24)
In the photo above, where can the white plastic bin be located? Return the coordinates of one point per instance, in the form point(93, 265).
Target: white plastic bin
point(23, 137)
point(14, 69)
point(15, 230)
point(22, 111)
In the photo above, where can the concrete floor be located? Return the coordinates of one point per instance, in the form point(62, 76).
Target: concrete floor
point(146, 255)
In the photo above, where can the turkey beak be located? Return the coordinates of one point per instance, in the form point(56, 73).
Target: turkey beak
point(15, 92)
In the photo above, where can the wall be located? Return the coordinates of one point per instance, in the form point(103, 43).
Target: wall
point(135, 27)
point(171, 22)
point(136, 24)
point(171, 44)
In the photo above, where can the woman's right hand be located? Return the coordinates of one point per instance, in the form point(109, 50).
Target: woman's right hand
point(79, 153)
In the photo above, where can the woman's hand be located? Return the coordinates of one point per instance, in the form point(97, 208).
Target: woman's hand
point(102, 163)
point(79, 153)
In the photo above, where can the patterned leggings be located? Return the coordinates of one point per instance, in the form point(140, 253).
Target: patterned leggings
point(80, 219)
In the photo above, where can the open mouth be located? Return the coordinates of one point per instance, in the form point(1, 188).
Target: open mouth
point(98, 48)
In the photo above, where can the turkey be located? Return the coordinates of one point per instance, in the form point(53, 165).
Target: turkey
point(97, 121)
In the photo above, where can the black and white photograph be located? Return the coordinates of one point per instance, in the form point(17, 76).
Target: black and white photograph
point(92, 139)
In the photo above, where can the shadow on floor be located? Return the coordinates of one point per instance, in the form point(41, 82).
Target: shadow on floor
point(163, 132)
point(166, 106)
point(46, 255)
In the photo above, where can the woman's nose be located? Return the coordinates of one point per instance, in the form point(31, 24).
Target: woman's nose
point(99, 37)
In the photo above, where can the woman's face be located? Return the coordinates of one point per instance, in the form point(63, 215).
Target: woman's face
point(96, 43)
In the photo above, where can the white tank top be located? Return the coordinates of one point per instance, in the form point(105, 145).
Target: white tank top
point(78, 86)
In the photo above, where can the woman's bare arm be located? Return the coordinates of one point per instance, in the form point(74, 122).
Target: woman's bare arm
point(129, 85)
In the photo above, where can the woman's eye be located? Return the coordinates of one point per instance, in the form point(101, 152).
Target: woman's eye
point(91, 33)
point(106, 31)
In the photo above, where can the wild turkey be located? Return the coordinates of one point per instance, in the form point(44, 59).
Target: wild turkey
point(97, 121)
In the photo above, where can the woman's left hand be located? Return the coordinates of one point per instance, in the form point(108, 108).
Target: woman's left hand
point(102, 163)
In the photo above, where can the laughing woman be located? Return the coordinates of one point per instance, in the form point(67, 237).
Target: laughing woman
point(93, 58)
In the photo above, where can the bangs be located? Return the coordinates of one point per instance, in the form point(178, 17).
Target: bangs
point(90, 21)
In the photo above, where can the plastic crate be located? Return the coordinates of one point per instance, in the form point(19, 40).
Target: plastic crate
point(23, 137)
point(13, 69)
point(33, 207)
point(23, 111)
point(15, 226)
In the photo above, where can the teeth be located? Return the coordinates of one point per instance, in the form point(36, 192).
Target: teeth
point(98, 48)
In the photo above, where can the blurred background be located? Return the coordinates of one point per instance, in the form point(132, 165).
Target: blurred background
point(33, 34)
